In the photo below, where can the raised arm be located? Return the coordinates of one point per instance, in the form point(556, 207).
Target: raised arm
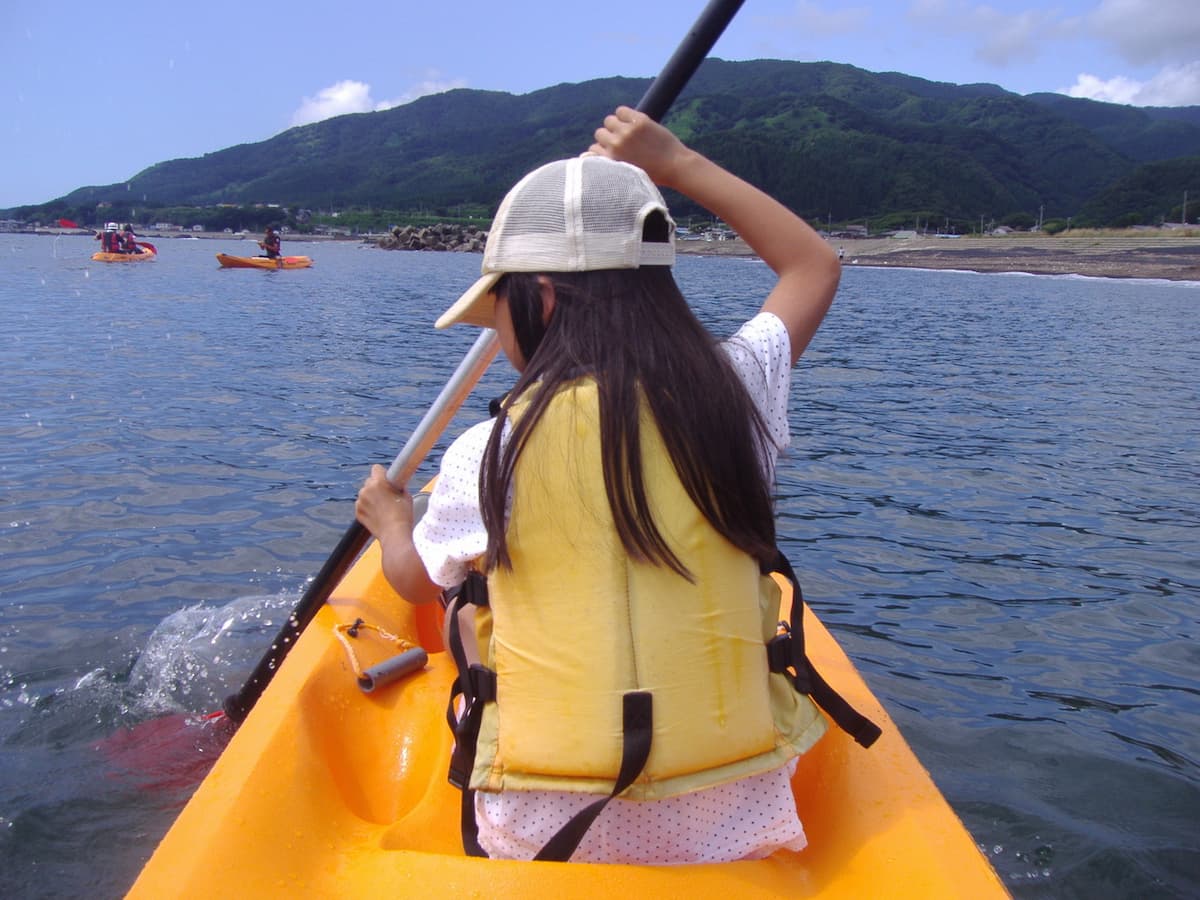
point(806, 266)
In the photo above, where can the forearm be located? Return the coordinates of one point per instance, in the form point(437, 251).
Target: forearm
point(807, 267)
point(778, 236)
point(386, 510)
point(404, 570)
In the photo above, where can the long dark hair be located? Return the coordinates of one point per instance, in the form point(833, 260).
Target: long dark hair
point(632, 331)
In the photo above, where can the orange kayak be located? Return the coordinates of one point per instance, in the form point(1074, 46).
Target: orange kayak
point(262, 262)
point(144, 253)
point(327, 791)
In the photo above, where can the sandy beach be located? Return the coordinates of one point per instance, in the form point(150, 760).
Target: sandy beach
point(1171, 255)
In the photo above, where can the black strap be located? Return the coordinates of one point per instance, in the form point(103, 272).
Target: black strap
point(637, 722)
point(477, 686)
point(786, 655)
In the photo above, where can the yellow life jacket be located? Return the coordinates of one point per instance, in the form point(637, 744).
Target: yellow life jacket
point(576, 625)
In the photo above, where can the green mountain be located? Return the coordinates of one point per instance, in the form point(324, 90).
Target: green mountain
point(1127, 200)
point(832, 141)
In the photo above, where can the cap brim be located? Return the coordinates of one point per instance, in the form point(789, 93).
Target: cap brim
point(475, 307)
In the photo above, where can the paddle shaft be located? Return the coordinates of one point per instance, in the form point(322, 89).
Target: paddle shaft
point(655, 103)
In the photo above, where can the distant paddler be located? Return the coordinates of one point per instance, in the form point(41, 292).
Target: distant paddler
point(270, 243)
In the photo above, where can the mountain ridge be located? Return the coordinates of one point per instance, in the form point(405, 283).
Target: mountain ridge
point(830, 140)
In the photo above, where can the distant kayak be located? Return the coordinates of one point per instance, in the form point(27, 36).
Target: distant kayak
point(144, 253)
point(262, 262)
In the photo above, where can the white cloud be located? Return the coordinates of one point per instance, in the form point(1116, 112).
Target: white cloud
point(1128, 33)
point(1000, 37)
point(1008, 38)
point(335, 100)
point(433, 83)
point(349, 96)
point(1114, 90)
point(1173, 86)
point(1146, 33)
point(1149, 31)
point(812, 20)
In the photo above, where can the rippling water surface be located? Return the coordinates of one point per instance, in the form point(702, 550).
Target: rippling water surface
point(991, 498)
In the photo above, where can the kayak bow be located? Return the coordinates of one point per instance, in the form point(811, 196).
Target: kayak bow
point(329, 791)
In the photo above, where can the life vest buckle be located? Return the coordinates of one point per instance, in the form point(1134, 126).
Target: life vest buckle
point(481, 684)
point(779, 652)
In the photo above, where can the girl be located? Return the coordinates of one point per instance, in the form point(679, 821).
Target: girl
point(617, 514)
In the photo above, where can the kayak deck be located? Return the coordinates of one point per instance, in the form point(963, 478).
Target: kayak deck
point(327, 791)
point(262, 262)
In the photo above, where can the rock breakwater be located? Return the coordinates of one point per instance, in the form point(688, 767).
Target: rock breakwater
point(443, 237)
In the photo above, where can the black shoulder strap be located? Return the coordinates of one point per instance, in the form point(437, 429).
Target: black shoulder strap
point(786, 655)
point(477, 686)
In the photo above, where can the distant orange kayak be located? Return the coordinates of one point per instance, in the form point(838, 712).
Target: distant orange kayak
point(326, 791)
point(262, 262)
point(144, 253)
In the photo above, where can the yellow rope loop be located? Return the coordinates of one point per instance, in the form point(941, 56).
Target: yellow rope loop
point(344, 632)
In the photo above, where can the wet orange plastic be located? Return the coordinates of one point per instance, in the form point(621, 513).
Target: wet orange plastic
point(262, 262)
point(329, 792)
point(141, 255)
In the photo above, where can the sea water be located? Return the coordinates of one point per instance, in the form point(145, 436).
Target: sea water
point(990, 498)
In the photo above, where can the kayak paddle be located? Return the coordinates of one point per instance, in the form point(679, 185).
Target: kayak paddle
point(655, 103)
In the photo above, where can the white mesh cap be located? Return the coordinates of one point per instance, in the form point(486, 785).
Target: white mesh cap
point(572, 215)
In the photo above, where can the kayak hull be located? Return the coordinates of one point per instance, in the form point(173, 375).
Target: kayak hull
point(261, 262)
point(141, 256)
point(327, 791)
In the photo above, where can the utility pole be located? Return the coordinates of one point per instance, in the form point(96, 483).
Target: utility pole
point(1185, 207)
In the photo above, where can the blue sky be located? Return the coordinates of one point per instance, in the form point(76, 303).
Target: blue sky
point(94, 100)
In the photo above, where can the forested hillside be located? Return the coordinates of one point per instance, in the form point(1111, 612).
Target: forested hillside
point(836, 143)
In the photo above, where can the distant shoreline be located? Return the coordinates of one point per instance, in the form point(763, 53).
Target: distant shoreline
point(1135, 254)
point(1169, 255)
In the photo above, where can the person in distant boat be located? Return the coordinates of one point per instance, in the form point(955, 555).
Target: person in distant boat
point(616, 519)
point(270, 243)
point(109, 238)
point(129, 240)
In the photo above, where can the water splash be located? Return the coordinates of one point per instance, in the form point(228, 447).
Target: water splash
point(199, 655)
